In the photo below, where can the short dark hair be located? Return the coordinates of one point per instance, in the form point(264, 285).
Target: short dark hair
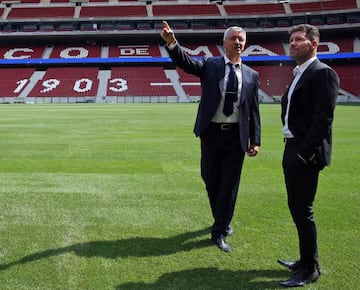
point(311, 31)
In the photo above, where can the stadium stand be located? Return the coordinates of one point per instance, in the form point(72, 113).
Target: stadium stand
point(108, 51)
point(185, 10)
point(148, 84)
point(12, 83)
point(24, 12)
point(143, 15)
point(72, 84)
point(63, 51)
point(350, 78)
point(254, 9)
point(273, 80)
point(113, 11)
point(339, 5)
point(189, 83)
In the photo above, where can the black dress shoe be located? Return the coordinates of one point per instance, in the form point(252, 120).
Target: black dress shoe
point(220, 241)
point(292, 266)
point(301, 278)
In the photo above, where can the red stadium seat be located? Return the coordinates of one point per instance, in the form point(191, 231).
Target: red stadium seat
point(189, 83)
point(74, 51)
point(339, 4)
point(273, 79)
point(67, 82)
point(254, 9)
point(41, 12)
point(349, 79)
point(329, 5)
point(185, 10)
point(113, 11)
point(14, 80)
point(132, 81)
point(306, 6)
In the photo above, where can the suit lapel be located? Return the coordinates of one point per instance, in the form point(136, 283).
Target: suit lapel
point(305, 76)
point(303, 79)
point(245, 81)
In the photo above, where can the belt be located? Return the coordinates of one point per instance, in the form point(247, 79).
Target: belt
point(289, 140)
point(224, 126)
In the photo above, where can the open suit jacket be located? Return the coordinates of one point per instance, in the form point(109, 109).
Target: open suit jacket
point(311, 112)
point(212, 72)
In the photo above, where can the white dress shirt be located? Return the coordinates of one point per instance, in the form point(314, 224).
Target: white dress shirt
point(219, 116)
point(298, 71)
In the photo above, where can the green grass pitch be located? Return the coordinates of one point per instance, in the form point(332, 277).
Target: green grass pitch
point(109, 196)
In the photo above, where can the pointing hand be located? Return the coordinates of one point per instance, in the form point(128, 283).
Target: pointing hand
point(168, 34)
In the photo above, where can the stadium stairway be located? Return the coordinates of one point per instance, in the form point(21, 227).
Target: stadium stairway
point(173, 76)
point(36, 76)
point(103, 76)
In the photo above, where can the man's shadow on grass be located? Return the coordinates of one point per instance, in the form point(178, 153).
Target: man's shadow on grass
point(130, 247)
point(213, 278)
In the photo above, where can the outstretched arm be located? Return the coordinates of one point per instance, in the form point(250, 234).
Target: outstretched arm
point(178, 54)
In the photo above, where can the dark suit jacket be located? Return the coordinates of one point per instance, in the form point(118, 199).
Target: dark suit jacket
point(211, 72)
point(311, 111)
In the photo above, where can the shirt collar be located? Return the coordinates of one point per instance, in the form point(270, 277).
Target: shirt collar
point(301, 68)
point(227, 60)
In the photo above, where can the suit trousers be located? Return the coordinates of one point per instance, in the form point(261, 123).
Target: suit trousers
point(301, 184)
point(221, 163)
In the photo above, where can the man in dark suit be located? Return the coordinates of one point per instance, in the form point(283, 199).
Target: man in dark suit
point(228, 122)
point(307, 115)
